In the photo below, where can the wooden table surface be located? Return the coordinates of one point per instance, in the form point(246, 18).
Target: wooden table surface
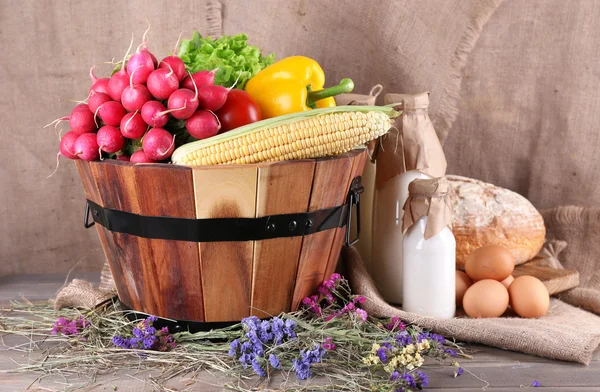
point(493, 369)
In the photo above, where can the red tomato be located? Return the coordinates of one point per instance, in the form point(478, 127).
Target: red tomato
point(239, 109)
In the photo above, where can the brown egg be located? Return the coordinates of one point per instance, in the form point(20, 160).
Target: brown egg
point(529, 297)
point(506, 282)
point(490, 262)
point(486, 298)
point(463, 282)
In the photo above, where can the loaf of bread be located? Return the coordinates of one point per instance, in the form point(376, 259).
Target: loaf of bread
point(486, 214)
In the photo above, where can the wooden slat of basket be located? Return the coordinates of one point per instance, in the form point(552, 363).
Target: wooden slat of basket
point(358, 164)
point(106, 238)
point(330, 179)
point(282, 188)
point(226, 267)
point(174, 265)
point(116, 187)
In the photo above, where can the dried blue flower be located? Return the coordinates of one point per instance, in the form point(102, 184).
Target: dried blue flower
point(459, 371)
point(138, 333)
point(290, 326)
point(450, 352)
point(535, 384)
point(423, 379)
point(149, 341)
point(257, 349)
point(246, 347)
point(121, 342)
point(394, 376)
point(246, 359)
point(403, 338)
point(274, 361)
point(382, 354)
point(258, 369)
point(410, 380)
point(233, 347)
point(302, 369)
point(438, 338)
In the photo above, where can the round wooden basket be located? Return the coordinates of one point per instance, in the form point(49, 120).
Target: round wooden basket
point(217, 280)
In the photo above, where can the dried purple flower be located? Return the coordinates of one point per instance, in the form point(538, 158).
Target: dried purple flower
point(233, 347)
point(403, 338)
point(410, 380)
point(274, 361)
point(459, 372)
point(450, 352)
point(146, 337)
point(328, 344)
point(258, 369)
point(394, 324)
point(394, 376)
point(382, 354)
point(423, 379)
point(362, 314)
point(535, 384)
point(69, 327)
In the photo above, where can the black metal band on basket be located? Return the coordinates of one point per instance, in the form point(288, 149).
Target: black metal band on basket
point(229, 229)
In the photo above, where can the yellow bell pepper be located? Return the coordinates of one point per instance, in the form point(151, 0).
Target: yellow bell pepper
point(293, 84)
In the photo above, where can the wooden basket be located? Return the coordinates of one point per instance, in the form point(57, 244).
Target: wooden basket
point(220, 281)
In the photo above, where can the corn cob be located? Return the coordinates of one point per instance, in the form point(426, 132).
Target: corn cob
point(310, 134)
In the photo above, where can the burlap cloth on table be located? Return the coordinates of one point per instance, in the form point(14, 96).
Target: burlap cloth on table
point(565, 333)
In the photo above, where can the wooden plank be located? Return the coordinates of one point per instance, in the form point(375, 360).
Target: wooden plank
point(226, 192)
point(358, 164)
point(174, 265)
point(328, 190)
point(556, 280)
point(116, 186)
point(282, 188)
point(92, 192)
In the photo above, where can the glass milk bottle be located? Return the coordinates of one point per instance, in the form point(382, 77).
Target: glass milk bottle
point(429, 250)
point(409, 151)
point(386, 249)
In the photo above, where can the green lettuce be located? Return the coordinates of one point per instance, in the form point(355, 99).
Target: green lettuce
point(231, 55)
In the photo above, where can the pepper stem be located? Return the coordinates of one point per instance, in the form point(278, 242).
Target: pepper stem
point(346, 85)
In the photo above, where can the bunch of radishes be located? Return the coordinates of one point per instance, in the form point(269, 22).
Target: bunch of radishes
point(136, 102)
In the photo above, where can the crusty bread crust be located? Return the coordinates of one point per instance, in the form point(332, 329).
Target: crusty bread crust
point(486, 214)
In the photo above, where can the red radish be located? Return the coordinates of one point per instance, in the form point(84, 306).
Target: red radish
point(212, 97)
point(158, 144)
point(174, 63)
point(67, 149)
point(109, 139)
point(133, 126)
point(153, 114)
point(162, 82)
point(122, 158)
point(202, 78)
point(111, 113)
point(81, 120)
point(140, 157)
point(86, 147)
point(120, 79)
point(184, 101)
point(135, 95)
point(97, 99)
point(142, 61)
point(67, 145)
point(99, 85)
point(203, 124)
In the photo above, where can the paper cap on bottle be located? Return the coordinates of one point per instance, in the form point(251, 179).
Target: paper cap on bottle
point(431, 198)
